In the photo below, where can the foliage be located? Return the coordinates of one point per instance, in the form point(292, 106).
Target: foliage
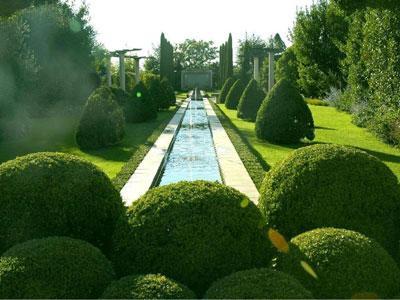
point(316, 102)
point(196, 54)
point(346, 262)
point(258, 284)
point(226, 61)
point(225, 89)
point(284, 117)
point(168, 91)
point(147, 287)
point(153, 84)
point(9, 7)
point(318, 35)
point(287, 67)
point(54, 268)
point(166, 59)
point(141, 106)
point(102, 123)
point(52, 203)
point(122, 98)
point(234, 94)
point(193, 232)
point(152, 62)
point(250, 101)
point(244, 55)
point(252, 160)
point(314, 182)
point(352, 5)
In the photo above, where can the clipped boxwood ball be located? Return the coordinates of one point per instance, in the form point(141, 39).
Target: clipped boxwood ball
point(333, 186)
point(250, 101)
point(258, 284)
point(225, 89)
point(102, 123)
point(193, 232)
point(346, 263)
point(147, 287)
point(233, 97)
point(54, 268)
point(55, 194)
point(284, 117)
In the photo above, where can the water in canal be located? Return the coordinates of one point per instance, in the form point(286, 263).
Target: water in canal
point(192, 156)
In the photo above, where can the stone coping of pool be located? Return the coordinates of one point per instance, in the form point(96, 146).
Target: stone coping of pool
point(148, 170)
point(233, 171)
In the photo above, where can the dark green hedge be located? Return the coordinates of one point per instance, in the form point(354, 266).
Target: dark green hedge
point(47, 194)
point(141, 106)
point(54, 268)
point(346, 263)
point(253, 161)
point(233, 97)
point(332, 185)
point(258, 284)
point(147, 287)
point(250, 101)
point(225, 89)
point(284, 117)
point(102, 123)
point(193, 232)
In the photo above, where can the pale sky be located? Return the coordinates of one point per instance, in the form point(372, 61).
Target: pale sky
point(139, 23)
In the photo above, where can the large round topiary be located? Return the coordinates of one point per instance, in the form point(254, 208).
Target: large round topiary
point(102, 123)
point(168, 91)
point(141, 106)
point(47, 194)
point(284, 117)
point(54, 268)
point(225, 89)
point(250, 101)
point(233, 97)
point(147, 287)
point(333, 186)
point(345, 262)
point(193, 232)
point(258, 284)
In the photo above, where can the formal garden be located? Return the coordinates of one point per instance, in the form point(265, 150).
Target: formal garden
point(289, 157)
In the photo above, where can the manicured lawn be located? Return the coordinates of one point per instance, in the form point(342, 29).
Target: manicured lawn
point(57, 134)
point(332, 127)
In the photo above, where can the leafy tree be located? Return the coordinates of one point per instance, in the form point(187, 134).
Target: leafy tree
point(196, 54)
point(245, 59)
point(352, 5)
point(152, 62)
point(9, 7)
point(287, 67)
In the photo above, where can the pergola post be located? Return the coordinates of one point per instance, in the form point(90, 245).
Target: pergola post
point(109, 79)
point(122, 71)
point(271, 71)
point(257, 68)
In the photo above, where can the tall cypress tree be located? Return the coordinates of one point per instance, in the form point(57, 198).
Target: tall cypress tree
point(166, 59)
point(229, 58)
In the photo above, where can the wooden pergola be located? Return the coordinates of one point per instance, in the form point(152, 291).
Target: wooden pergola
point(262, 52)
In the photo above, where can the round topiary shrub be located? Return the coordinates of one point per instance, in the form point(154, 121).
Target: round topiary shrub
point(102, 123)
point(258, 284)
point(141, 106)
point(168, 91)
point(48, 194)
point(333, 186)
point(284, 117)
point(233, 97)
point(54, 268)
point(345, 262)
point(250, 101)
point(147, 287)
point(193, 232)
point(225, 89)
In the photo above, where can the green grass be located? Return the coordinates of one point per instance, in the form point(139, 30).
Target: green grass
point(332, 126)
point(57, 134)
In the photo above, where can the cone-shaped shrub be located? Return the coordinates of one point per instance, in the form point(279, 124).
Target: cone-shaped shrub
point(102, 123)
point(193, 232)
point(258, 284)
point(250, 101)
point(332, 185)
point(345, 262)
point(147, 287)
point(225, 89)
point(141, 106)
point(169, 91)
point(284, 117)
point(54, 268)
point(233, 97)
point(55, 194)
point(153, 84)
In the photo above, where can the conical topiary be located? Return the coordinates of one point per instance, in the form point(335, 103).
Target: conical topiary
point(102, 123)
point(153, 84)
point(250, 101)
point(284, 117)
point(225, 89)
point(141, 106)
point(168, 91)
point(233, 97)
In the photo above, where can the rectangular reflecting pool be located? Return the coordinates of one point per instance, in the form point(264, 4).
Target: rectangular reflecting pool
point(192, 156)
